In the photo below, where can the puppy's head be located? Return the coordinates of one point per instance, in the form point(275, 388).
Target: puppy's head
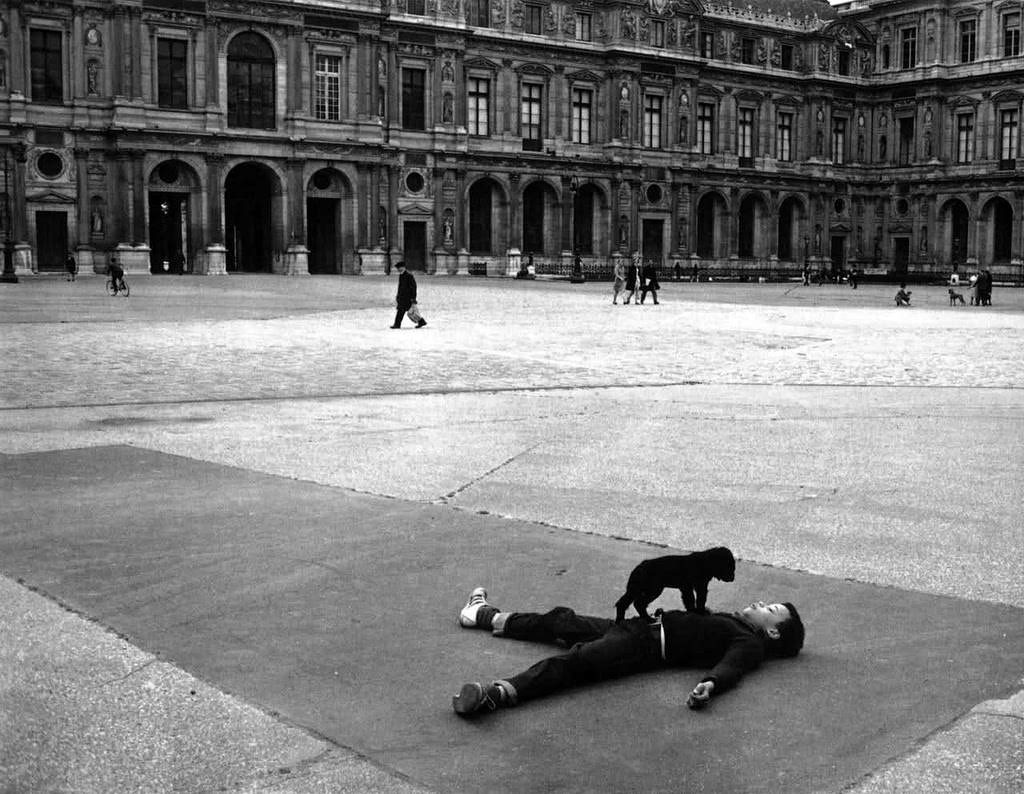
point(951, 293)
point(723, 564)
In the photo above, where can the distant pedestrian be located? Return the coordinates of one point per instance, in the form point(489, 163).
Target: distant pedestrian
point(71, 266)
point(620, 280)
point(903, 296)
point(853, 277)
point(405, 299)
point(806, 275)
point(695, 273)
point(677, 270)
point(985, 287)
point(632, 277)
point(650, 284)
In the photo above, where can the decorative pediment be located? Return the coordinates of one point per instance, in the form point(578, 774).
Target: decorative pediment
point(841, 226)
point(789, 100)
point(584, 77)
point(480, 63)
point(416, 208)
point(746, 95)
point(848, 33)
point(535, 69)
point(50, 197)
point(963, 101)
point(1008, 95)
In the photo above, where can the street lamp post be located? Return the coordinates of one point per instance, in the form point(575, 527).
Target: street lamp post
point(577, 261)
point(8, 276)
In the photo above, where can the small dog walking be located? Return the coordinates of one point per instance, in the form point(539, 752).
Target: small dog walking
point(955, 298)
point(690, 573)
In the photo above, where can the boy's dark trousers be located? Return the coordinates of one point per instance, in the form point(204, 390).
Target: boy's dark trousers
point(600, 649)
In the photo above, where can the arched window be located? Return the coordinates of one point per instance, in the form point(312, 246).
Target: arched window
point(251, 82)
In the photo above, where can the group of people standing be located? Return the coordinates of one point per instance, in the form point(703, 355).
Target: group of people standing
point(981, 288)
point(637, 276)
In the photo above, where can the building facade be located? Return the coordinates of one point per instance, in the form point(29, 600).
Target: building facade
point(467, 136)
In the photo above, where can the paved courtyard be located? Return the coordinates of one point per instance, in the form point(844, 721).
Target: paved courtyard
point(866, 458)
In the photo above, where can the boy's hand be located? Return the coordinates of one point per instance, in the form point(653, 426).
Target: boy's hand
point(701, 695)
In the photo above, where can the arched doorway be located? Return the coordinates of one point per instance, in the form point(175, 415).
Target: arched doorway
point(172, 243)
point(330, 227)
point(249, 193)
point(750, 234)
point(540, 235)
point(958, 221)
point(789, 230)
point(486, 215)
point(711, 210)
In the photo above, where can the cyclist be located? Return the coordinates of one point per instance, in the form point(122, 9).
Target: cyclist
point(116, 273)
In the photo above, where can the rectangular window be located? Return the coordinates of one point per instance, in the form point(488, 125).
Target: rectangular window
point(480, 13)
point(1011, 34)
point(908, 48)
point(532, 19)
point(530, 116)
point(582, 102)
point(784, 138)
point(707, 45)
point(478, 102)
point(906, 153)
point(413, 99)
point(968, 40)
point(705, 128)
point(964, 137)
point(171, 73)
point(745, 133)
point(652, 121)
point(839, 141)
point(47, 66)
point(746, 50)
point(657, 33)
point(327, 88)
point(843, 62)
point(583, 28)
point(786, 56)
point(415, 7)
point(1008, 134)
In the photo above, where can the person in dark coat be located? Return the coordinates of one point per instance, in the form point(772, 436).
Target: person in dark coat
point(632, 276)
point(650, 280)
point(729, 644)
point(405, 298)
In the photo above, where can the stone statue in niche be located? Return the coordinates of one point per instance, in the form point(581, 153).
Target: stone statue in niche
point(449, 228)
point(92, 70)
point(448, 108)
point(93, 37)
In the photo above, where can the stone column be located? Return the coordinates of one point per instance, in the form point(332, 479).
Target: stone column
point(22, 259)
point(83, 248)
point(296, 257)
point(216, 253)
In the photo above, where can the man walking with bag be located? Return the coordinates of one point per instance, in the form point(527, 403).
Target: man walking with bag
point(405, 299)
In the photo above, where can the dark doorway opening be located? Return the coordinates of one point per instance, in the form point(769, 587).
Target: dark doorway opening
point(900, 255)
point(1002, 231)
point(480, 217)
point(51, 239)
point(322, 235)
point(960, 221)
point(533, 219)
point(652, 240)
point(583, 222)
point(414, 245)
point(837, 251)
point(247, 197)
point(706, 227)
point(168, 229)
point(785, 236)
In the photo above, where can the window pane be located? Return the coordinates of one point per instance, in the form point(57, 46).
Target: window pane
point(784, 150)
point(652, 121)
point(964, 135)
point(705, 128)
point(172, 79)
point(46, 66)
point(581, 104)
point(478, 106)
point(328, 87)
point(413, 99)
point(745, 133)
point(530, 117)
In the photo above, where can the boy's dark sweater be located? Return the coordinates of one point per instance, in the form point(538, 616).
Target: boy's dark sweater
point(726, 643)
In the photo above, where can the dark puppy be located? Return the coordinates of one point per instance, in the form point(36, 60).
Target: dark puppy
point(955, 297)
point(688, 572)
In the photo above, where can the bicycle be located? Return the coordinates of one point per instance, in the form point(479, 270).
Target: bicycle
point(114, 288)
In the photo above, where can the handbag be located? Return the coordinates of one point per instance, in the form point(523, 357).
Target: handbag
point(414, 313)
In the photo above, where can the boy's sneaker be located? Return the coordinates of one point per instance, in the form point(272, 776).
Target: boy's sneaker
point(477, 599)
point(475, 698)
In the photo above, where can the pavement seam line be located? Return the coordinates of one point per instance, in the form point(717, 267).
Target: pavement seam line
point(451, 494)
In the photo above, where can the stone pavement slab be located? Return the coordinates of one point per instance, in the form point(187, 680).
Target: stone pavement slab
point(336, 610)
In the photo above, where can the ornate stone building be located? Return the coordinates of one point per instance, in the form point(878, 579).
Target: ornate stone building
point(335, 136)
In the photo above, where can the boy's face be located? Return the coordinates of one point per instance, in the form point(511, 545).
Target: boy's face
point(767, 616)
